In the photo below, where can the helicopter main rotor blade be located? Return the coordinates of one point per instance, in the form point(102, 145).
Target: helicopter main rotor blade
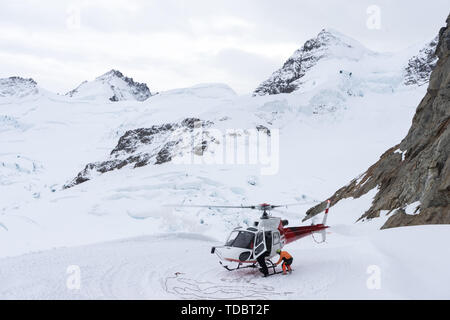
point(210, 206)
point(294, 204)
point(286, 212)
point(261, 207)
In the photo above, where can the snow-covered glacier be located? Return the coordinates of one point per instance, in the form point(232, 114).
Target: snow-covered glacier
point(90, 174)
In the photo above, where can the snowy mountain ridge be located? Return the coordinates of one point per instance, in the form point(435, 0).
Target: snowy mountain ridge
point(112, 85)
point(329, 43)
point(17, 87)
point(334, 53)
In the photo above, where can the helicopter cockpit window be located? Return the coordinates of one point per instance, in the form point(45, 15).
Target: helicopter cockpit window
point(241, 239)
point(259, 238)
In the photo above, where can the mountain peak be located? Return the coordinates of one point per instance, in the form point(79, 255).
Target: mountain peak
point(112, 85)
point(111, 73)
point(330, 36)
point(17, 87)
point(330, 32)
point(333, 32)
point(328, 43)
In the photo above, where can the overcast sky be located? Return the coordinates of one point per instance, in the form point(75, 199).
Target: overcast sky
point(177, 43)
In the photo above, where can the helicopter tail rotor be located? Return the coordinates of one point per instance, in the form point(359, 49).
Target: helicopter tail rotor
point(324, 222)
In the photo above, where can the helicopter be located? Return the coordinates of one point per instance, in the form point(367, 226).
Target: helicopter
point(245, 244)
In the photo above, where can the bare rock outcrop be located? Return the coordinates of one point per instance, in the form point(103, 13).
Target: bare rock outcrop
point(155, 145)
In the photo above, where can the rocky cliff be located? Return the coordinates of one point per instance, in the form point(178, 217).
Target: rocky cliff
point(416, 172)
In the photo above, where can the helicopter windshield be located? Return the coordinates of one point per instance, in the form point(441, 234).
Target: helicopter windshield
point(241, 239)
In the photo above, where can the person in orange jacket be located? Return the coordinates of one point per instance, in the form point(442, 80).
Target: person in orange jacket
point(287, 260)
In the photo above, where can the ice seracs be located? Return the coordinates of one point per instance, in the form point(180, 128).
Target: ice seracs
point(112, 86)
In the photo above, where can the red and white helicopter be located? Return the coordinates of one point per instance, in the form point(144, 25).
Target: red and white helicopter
point(245, 244)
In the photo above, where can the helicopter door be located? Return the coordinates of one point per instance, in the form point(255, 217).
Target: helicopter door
point(260, 244)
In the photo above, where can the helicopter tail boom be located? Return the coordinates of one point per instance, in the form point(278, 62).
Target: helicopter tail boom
point(294, 233)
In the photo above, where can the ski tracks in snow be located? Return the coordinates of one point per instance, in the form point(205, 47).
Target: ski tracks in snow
point(188, 288)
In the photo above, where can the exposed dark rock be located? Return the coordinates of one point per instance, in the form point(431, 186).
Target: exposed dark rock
point(155, 145)
point(419, 67)
point(133, 139)
point(417, 169)
point(165, 154)
point(191, 123)
point(264, 129)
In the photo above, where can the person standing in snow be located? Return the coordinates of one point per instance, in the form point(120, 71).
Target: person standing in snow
point(287, 260)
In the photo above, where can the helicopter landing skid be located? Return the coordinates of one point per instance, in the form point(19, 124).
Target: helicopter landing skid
point(241, 266)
